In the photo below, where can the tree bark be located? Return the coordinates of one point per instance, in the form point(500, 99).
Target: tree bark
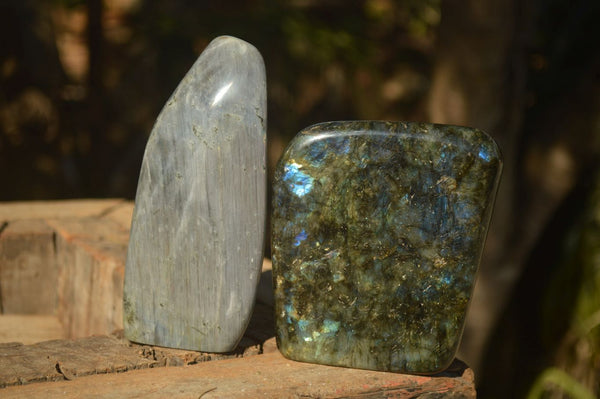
point(479, 81)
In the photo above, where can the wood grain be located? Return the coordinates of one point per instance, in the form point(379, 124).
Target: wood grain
point(28, 268)
point(265, 376)
point(64, 259)
point(29, 329)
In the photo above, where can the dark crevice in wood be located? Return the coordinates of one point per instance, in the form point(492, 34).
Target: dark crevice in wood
point(66, 375)
point(54, 243)
point(3, 227)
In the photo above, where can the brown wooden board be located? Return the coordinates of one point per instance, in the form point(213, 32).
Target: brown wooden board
point(79, 208)
point(65, 258)
point(23, 364)
point(266, 376)
point(91, 254)
point(69, 359)
point(29, 329)
point(28, 268)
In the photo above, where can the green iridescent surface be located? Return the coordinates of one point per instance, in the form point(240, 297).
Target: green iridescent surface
point(378, 229)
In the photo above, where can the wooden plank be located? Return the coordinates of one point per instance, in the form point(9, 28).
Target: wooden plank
point(68, 359)
point(28, 268)
point(29, 235)
point(121, 214)
point(266, 376)
point(91, 252)
point(56, 209)
point(197, 235)
point(29, 329)
point(20, 364)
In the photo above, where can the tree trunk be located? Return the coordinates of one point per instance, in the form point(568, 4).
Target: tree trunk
point(479, 81)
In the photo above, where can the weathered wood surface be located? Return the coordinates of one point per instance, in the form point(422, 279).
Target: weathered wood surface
point(59, 360)
point(23, 364)
point(65, 209)
point(269, 375)
point(197, 235)
point(65, 258)
point(28, 268)
point(91, 254)
point(66, 359)
point(29, 329)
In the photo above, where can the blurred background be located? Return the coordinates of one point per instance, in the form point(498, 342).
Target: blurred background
point(82, 81)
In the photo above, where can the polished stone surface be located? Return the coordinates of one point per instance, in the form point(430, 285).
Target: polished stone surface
point(196, 243)
point(378, 230)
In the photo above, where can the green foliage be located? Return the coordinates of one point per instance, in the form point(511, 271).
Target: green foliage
point(577, 277)
point(319, 42)
point(557, 377)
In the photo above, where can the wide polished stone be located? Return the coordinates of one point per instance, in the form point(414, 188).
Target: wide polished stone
point(196, 243)
point(378, 230)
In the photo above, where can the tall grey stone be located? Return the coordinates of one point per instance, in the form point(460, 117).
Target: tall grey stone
point(195, 250)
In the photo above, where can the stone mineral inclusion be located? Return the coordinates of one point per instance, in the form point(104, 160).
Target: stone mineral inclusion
point(378, 230)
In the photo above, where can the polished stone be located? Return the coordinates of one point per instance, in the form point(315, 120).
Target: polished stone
point(196, 243)
point(378, 230)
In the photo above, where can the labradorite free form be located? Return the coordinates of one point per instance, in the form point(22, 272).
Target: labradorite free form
point(378, 230)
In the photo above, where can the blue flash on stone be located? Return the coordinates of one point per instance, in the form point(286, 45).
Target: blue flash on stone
point(395, 218)
point(337, 277)
point(303, 324)
point(299, 182)
point(299, 238)
point(330, 326)
point(446, 280)
point(484, 154)
point(290, 312)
